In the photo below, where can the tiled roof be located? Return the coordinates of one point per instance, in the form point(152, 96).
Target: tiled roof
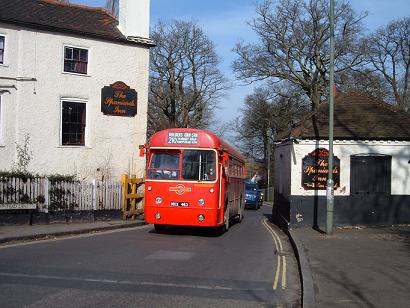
point(356, 117)
point(65, 17)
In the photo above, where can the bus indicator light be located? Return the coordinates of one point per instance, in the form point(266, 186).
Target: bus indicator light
point(211, 190)
point(201, 202)
point(149, 188)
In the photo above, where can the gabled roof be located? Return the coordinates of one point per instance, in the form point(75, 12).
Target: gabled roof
point(53, 16)
point(356, 117)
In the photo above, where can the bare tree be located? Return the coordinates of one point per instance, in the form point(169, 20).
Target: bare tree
point(267, 116)
point(365, 81)
point(255, 126)
point(293, 45)
point(389, 52)
point(185, 80)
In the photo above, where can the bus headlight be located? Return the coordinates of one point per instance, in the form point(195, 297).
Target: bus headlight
point(158, 200)
point(158, 216)
point(201, 202)
point(201, 218)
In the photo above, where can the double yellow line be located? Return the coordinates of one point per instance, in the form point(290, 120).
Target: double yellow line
point(281, 263)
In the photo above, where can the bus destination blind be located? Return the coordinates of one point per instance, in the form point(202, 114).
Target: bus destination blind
point(182, 138)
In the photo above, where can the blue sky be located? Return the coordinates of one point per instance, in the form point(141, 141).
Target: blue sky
point(225, 22)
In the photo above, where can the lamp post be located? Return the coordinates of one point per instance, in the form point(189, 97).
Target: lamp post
point(268, 195)
point(330, 183)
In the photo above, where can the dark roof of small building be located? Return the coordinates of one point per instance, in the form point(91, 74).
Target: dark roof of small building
point(53, 16)
point(356, 117)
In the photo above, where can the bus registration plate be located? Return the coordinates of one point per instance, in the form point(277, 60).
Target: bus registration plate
point(183, 204)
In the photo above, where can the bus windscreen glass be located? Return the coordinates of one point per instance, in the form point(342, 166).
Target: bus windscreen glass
point(164, 166)
point(198, 165)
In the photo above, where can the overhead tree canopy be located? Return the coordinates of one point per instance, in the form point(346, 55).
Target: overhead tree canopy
point(185, 82)
point(388, 50)
point(293, 45)
point(365, 81)
point(265, 118)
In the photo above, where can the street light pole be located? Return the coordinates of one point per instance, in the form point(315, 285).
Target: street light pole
point(330, 183)
point(268, 195)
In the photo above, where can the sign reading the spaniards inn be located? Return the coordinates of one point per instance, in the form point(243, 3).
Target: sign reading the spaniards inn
point(315, 168)
point(119, 100)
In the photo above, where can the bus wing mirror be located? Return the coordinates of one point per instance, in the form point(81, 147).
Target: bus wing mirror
point(142, 150)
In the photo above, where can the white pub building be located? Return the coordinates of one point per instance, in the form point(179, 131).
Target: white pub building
point(74, 82)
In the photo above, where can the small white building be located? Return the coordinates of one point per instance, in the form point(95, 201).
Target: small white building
point(55, 59)
point(372, 166)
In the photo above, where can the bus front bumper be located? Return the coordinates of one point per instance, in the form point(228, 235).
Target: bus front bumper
point(200, 217)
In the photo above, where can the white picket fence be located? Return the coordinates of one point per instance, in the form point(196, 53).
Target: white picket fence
point(57, 196)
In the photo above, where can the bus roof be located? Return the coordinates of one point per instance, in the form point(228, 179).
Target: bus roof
point(191, 138)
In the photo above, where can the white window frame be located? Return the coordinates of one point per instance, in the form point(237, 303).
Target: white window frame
point(1, 120)
point(5, 50)
point(87, 117)
point(88, 60)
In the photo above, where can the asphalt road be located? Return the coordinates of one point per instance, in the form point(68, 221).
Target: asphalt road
point(252, 265)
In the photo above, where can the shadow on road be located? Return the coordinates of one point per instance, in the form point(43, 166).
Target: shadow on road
point(190, 231)
point(194, 231)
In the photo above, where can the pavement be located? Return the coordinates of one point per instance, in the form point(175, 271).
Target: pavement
point(354, 267)
point(19, 233)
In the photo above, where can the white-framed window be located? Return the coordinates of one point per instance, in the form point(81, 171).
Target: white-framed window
point(2, 48)
point(75, 60)
point(1, 121)
point(73, 122)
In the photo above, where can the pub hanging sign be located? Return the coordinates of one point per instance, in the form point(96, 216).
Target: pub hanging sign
point(119, 100)
point(315, 168)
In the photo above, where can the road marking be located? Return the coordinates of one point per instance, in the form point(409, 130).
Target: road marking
point(135, 283)
point(275, 283)
point(284, 273)
point(279, 249)
point(170, 255)
point(56, 238)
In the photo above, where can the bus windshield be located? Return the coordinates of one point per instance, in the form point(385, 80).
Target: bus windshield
point(198, 165)
point(164, 166)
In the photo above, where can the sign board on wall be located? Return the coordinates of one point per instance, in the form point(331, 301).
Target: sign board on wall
point(119, 100)
point(18, 206)
point(315, 168)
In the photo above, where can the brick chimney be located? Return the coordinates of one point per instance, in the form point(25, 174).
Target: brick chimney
point(134, 18)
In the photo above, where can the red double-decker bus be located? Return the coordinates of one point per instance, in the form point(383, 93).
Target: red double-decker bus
point(193, 178)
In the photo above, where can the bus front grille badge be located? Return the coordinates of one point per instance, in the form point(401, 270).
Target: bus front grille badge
point(180, 189)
